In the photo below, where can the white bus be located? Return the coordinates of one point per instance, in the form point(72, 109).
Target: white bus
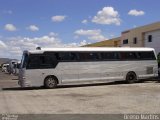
point(57, 66)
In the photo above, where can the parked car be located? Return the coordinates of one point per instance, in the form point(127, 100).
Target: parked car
point(4, 67)
point(11, 66)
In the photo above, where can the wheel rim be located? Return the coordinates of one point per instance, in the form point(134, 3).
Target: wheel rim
point(51, 82)
point(131, 77)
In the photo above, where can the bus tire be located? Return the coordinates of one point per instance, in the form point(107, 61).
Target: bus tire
point(131, 77)
point(50, 82)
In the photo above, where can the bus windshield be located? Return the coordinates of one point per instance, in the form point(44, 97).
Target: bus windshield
point(24, 60)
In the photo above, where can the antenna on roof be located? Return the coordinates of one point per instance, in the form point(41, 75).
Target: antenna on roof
point(38, 48)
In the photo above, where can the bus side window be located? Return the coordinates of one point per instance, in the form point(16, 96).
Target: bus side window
point(66, 56)
point(116, 56)
point(146, 55)
point(128, 55)
point(73, 56)
point(93, 56)
point(33, 62)
point(47, 61)
point(53, 55)
point(131, 56)
point(110, 56)
point(88, 56)
point(56, 55)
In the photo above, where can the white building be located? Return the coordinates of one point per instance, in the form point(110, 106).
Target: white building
point(152, 39)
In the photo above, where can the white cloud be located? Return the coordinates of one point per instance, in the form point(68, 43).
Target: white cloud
point(53, 34)
point(112, 35)
point(135, 12)
point(7, 11)
point(97, 37)
point(91, 34)
point(81, 43)
point(84, 42)
point(134, 26)
point(10, 27)
point(58, 18)
point(76, 37)
point(2, 44)
point(88, 32)
point(33, 28)
point(107, 16)
point(84, 21)
point(14, 46)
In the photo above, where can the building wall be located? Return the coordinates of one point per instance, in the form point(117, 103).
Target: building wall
point(130, 36)
point(107, 43)
point(139, 34)
point(155, 40)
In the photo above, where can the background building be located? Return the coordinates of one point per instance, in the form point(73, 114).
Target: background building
point(152, 39)
point(144, 36)
point(115, 42)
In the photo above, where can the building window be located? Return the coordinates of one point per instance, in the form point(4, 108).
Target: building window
point(149, 38)
point(125, 41)
point(135, 40)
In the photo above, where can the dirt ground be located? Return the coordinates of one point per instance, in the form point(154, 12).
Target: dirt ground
point(105, 98)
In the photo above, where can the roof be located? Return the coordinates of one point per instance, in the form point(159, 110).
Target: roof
point(109, 43)
point(94, 49)
point(145, 28)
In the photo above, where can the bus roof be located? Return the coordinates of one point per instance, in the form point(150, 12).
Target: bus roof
point(89, 49)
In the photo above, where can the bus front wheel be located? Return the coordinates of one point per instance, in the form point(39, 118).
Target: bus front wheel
point(50, 82)
point(131, 77)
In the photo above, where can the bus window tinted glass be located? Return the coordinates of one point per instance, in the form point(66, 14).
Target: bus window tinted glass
point(33, 62)
point(66, 56)
point(128, 55)
point(110, 56)
point(41, 62)
point(88, 56)
point(146, 55)
point(46, 62)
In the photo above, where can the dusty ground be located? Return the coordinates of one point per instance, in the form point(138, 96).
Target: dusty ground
point(114, 98)
point(7, 80)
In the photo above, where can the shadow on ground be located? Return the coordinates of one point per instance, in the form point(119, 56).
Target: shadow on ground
point(79, 85)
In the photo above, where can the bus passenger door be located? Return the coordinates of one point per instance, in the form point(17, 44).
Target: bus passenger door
point(34, 77)
point(39, 67)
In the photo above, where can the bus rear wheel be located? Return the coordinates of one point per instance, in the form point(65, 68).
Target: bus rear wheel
point(50, 82)
point(131, 77)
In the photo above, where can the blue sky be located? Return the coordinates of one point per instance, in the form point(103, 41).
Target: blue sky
point(25, 24)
